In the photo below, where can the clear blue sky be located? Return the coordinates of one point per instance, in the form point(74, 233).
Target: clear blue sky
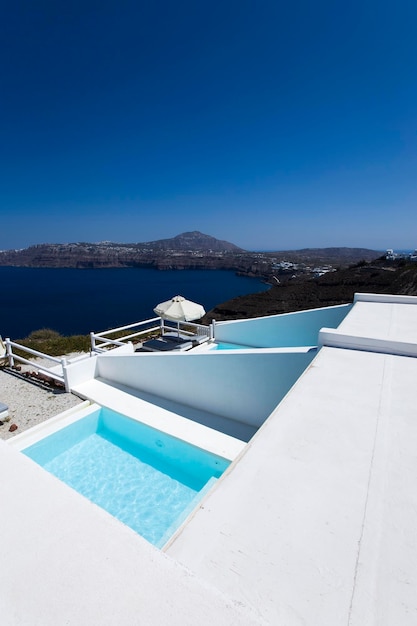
point(272, 125)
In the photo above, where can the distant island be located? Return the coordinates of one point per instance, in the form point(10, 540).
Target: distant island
point(189, 250)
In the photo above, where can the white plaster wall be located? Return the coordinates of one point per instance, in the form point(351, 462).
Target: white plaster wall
point(290, 329)
point(333, 338)
point(127, 348)
point(82, 370)
point(383, 297)
point(243, 386)
point(85, 369)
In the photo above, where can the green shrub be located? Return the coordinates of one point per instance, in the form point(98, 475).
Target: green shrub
point(43, 334)
point(52, 343)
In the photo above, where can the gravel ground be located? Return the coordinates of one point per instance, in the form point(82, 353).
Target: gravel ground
point(30, 401)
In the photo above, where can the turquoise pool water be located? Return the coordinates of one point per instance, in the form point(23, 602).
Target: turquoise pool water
point(230, 346)
point(145, 478)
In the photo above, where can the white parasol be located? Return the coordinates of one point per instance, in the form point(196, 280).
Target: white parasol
point(179, 309)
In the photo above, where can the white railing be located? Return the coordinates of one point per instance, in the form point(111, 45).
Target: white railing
point(189, 329)
point(12, 357)
point(100, 342)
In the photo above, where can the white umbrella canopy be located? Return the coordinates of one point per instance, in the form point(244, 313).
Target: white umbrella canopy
point(179, 309)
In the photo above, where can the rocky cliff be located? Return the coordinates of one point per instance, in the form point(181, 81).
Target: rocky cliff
point(190, 250)
point(397, 277)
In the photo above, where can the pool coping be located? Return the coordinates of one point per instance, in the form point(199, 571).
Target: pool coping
point(124, 400)
point(65, 559)
point(156, 417)
point(52, 425)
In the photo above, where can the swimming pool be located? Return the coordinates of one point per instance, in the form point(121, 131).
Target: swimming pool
point(145, 478)
point(221, 345)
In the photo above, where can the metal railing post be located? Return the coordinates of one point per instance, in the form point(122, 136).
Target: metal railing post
point(93, 341)
point(9, 352)
point(65, 373)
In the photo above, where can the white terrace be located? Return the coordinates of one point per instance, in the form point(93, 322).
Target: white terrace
point(315, 521)
point(291, 330)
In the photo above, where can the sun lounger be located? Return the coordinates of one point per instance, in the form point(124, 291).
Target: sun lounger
point(160, 345)
point(199, 339)
point(195, 339)
point(175, 339)
point(176, 336)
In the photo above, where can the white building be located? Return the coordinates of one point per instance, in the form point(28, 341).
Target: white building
point(314, 523)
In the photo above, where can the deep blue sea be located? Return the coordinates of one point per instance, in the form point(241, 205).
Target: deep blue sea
point(74, 301)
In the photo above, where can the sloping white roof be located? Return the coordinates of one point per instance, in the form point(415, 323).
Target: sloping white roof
point(316, 522)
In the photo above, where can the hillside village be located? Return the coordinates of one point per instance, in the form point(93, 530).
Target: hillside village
point(191, 250)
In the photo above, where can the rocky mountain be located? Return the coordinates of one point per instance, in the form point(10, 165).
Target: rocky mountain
point(190, 242)
point(335, 256)
point(190, 250)
point(333, 288)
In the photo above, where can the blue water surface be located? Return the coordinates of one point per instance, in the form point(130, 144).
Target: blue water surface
point(221, 345)
point(138, 494)
point(143, 477)
point(73, 301)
